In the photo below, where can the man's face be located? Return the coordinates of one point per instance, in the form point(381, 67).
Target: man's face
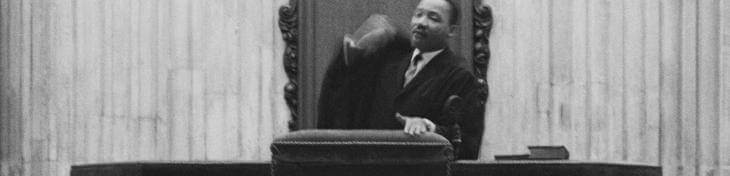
point(430, 25)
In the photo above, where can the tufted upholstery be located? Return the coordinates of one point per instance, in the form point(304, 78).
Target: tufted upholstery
point(363, 152)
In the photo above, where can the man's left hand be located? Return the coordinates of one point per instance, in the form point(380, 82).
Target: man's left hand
point(416, 125)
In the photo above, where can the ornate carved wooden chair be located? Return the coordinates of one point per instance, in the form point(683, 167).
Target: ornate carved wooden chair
point(313, 32)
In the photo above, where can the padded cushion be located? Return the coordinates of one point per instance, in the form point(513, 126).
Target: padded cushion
point(360, 147)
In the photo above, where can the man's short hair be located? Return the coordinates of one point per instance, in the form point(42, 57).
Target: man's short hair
point(454, 16)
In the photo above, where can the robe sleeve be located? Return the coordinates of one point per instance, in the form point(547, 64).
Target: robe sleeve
point(467, 114)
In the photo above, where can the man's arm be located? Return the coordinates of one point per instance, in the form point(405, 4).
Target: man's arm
point(458, 85)
point(471, 123)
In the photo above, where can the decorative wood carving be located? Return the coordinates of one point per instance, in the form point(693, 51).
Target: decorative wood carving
point(482, 20)
point(289, 29)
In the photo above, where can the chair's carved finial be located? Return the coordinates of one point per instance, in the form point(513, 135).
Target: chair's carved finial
point(482, 21)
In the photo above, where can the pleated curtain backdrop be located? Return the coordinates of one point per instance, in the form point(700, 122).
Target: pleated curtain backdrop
point(613, 80)
point(126, 80)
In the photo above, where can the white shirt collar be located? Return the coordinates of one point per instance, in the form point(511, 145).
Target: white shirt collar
point(427, 57)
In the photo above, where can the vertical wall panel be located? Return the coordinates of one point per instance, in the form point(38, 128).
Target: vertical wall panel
point(22, 166)
point(180, 80)
point(577, 107)
point(724, 87)
point(688, 88)
point(615, 103)
point(4, 100)
point(106, 121)
point(651, 53)
point(597, 133)
point(147, 20)
point(557, 77)
point(200, 115)
point(4, 53)
point(561, 72)
point(633, 114)
point(161, 65)
point(250, 113)
point(120, 78)
point(226, 48)
point(133, 122)
point(707, 85)
point(527, 36)
point(670, 66)
point(39, 112)
point(539, 99)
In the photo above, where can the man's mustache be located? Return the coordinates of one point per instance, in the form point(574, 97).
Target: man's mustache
point(418, 30)
point(418, 27)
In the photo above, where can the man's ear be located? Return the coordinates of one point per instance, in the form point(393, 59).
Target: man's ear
point(452, 30)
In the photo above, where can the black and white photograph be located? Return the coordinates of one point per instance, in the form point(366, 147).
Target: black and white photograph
point(364, 87)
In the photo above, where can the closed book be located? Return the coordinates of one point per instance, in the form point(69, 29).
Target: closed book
point(548, 153)
point(512, 157)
